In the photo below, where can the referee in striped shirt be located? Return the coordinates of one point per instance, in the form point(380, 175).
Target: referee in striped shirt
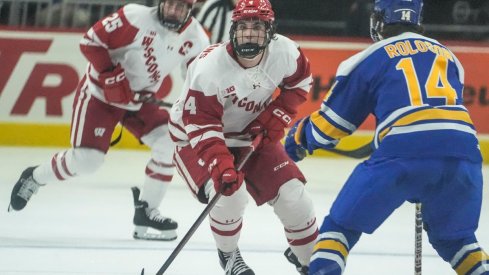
point(215, 16)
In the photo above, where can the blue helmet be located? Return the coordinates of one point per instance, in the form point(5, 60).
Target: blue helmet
point(399, 11)
point(394, 12)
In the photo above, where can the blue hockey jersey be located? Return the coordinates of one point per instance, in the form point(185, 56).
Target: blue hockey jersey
point(413, 86)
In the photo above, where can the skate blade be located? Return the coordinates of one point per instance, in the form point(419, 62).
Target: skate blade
point(10, 208)
point(141, 233)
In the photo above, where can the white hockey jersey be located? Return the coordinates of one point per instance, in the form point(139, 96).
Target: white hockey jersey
point(220, 97)
point(147, 51)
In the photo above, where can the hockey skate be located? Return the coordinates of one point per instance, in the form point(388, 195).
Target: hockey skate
point(147, 220)
point(233, 263)
point(23, 190)
point(292, 258)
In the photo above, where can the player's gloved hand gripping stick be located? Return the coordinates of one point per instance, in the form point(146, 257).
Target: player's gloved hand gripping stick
point(115, 85)
point(239, 165)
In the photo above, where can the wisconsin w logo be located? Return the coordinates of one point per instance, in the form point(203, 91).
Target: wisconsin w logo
point(99, 132)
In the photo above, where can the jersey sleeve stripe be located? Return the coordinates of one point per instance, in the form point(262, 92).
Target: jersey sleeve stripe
point(194, 127)
point(328, 127)
point(321, 138)
point(206, 136)
point(456, 117)
point(431, 127)
point(304, 85)
point(337, 119)
point(91, 39)
point(177, 133)
point(303, 71)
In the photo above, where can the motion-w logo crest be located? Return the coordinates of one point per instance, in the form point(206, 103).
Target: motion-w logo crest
point(99, 132)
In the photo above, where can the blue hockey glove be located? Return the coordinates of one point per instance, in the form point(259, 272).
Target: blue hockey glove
point(295, 142)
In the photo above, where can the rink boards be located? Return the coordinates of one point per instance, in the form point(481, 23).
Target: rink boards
point(40, 72)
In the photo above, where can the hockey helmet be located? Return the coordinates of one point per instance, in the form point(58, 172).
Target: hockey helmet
point(248, 10)
point(388, 12)
point(180, 14)
point(261, 9)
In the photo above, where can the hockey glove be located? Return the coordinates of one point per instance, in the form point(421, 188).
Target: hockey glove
point(296, 142)
point(272, 122)
point(116, 86)
point(226, 179)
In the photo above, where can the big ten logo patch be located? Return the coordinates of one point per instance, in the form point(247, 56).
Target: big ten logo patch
point(151, 62)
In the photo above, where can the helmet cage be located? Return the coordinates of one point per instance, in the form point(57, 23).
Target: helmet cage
point(175, 24)
point(252, 48)
point(376, 26)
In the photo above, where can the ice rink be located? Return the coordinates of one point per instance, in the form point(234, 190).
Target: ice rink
point(84, 226)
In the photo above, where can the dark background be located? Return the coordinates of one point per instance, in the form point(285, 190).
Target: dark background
point(442, 19)
point(454, 19)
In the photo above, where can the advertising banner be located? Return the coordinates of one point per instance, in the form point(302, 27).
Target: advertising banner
point(40, 71)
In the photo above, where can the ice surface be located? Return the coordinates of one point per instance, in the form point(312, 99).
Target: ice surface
point(84, 225)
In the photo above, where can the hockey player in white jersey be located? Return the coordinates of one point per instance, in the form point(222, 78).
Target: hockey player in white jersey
point(228, 97)
point(130, 52)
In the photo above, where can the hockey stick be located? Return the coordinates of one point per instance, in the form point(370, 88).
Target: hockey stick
point(145, 97)
point(359, 153)
point(159, 102)
point(207, 209)
point(418, 240)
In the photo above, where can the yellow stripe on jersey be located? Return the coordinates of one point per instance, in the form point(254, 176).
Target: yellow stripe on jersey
point(298, 132)
point(326, 127)
point(332, 245)
point(429, 114)
point(328, 94)
point(470, 261)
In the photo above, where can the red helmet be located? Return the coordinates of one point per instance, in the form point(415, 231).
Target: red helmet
point(252, 10)
point(261, 9)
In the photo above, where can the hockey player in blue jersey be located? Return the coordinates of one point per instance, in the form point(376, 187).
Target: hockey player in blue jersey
point(426, 149)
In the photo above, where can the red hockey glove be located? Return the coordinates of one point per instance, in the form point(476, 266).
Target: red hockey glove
point(272, 121)
point(116, 86)
point(226, 179)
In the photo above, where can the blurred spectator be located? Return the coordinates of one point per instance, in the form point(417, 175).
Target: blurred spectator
point(311, 10)
point(456, 12)
point(357, 20)
point(443, 19)
point(485, 13)
point(62, 14)
point(461, 12)
point(3, 14)
point(215, 16)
